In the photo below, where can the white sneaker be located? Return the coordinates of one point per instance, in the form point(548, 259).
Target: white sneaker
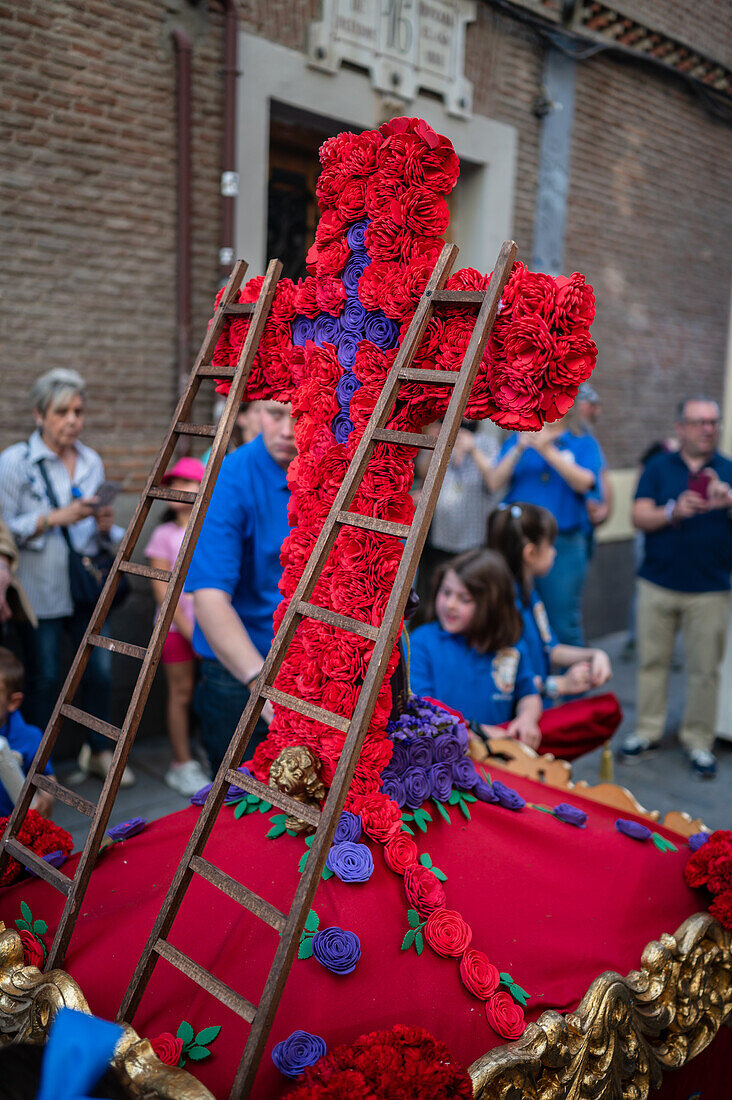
point(98, 765)
point(186, 778)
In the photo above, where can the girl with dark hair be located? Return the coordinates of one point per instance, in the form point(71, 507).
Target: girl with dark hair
point(471, 655)
point(524, 534)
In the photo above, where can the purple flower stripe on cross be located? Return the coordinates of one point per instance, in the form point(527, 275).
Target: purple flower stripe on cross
point(303, 329)
point(507, 796)
point(399, 758)
point(633, 829)
point(570, 815)
point(337, 949)
point(350, 862)
point(126, 829)
point(349, 827)
point(353, 317)
point(327, 330)
point(347, 347)
point(298, 1051)
point(352, 273)
point(341, 426)
point(381, 330)
point(356, 236)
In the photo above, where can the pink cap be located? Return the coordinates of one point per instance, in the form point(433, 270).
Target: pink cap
point(187, 469)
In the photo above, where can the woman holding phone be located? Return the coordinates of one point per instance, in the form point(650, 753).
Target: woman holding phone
point(49, 489)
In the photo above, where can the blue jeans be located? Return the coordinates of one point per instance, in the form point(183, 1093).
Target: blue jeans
point(219, 702)
point(561, 589)
point(44, 651)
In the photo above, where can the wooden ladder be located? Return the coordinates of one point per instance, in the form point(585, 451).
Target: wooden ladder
point(290, 925)
point(123, 737)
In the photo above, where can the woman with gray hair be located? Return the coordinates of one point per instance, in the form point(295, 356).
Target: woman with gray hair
point(48, 492)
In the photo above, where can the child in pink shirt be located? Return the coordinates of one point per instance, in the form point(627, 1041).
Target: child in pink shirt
point(185, 774)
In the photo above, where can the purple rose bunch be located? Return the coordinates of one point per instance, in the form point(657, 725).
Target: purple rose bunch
point(337, 949)
point(298, 1051)
point(350, 862)
point(429, 756)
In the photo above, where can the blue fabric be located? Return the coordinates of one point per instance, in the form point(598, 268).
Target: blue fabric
point(24, 739)
point(78, 1051)
point(536, 482)
point(561, 589)
point(219, 702)
point(445, 667)
point(538, 637)
point(238, 549)
point(696, 554)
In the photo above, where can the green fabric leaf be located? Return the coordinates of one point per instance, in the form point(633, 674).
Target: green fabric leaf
point(326, 874)
point(406, 829)
point(421, 824)
point(275, 831)
point(207, 1035)
point(469, 797)
point(523, 992)
point(23, 924)
point(241, 808)
point(422, 815)
point(454, 798)
point(303, 861)
point(506, 978)
point(312, 921)
point(290, 832)
point(26, 912)
point(39, 927)
point(418, 943)
point(407, 817)
point(444, 812)
point(408, 939)
point(438, 873)
point(185, 1032)
point(518, 997)
point(413, 918)
point(425, 860)
point(197, 1054)
point(306, 948)
point(309, 840)
point(265, 807)
point(464, 809)
point(658, 841)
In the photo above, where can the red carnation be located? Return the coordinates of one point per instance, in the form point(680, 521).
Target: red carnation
point(479, 975)
point(352, 200)
point(721, 908)
point(423, 889)
point(372, 283)
point(397, 153)
point(447, 933)
point(575, 362)
point(529, 345)
point(380, 192)
point(332, 258)
point(384, 239)
point(33, 953)
point(330, 294)
point(305, 300)
point(421, 211)
point(168, 1048)
point(283, 303)
point(505, 1016)
point(575, 302)
point(382, 818)
point(400, 853)
point(371, 365)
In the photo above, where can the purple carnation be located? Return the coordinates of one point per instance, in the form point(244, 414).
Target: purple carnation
point(440, 777)
point(507, 796)
point(633, 829)
point(698, 840)
point(302, 329)
point(126, 829)
point(446, 748)
point(327, 329)
point(464, 773)
point(570, 815)
point(350, 862)
point(353, 317)
point(399, 758)
point(352, 273)
point(341, 426)
point(337, 949)
point(417, 787)
point(484, 791)
point(301, 1049)
point(381, 330)
point(420, 752)
point(393, 788)
point(348, 828)
point(347, 385)
point(356, 236)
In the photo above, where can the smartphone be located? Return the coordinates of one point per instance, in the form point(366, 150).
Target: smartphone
point(106, 493)
point(699, 483)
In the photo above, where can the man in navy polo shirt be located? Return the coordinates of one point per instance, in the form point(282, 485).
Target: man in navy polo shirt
point(683, 505)
point(234, 577)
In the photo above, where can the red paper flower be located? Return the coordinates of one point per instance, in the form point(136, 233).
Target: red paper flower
point(33, 953)
point(479, 975)
point(168, 1048)
point(721, 908)
point(447, 933)
point(400, 853)
point(505, 1016)
point(423, 889)
point(382, 818)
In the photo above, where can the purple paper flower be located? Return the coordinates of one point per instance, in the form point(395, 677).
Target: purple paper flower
point(440, 777)
point(633, 829)
point(381, 330)
point(399, 758)
point(446, 748)
point(698, 840)
point(348, 828)
point(356, 236)
point(393, 788)
point(352, 273)
point(570, 815)
point(297, 1052)
point(56, 859)
point(353, 317)
point(341, 426)
point(347, 347)
point(337, 949)
point(462, 736)
point(327, 329)
point(302, 329)
point(484, 791)
point(416, 786)
point(420, 752)
point(350, 862)
point(507, 796)
point(464, 773)
point(347, 385)
point(126, 829)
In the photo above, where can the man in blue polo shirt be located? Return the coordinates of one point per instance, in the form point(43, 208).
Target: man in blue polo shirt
point(234, 577)
point(683, 505)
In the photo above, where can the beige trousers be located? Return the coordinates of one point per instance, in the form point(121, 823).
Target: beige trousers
point(702, 616)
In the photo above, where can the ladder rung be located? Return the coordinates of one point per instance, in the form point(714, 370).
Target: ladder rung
point(235, 890)
point(343, 622)
point(90, 722)
point(429, 377)
point(374, 523)
point(405, 439)
point(71, 798)
point(115, 646)
point(300, 810)
point(140, 570)
point(458, 297)
point(162, 492)
point(44, 870)
point(240, 309)
point(198, 974)
point(336, 721)
point(183, 427)
point(208, 370)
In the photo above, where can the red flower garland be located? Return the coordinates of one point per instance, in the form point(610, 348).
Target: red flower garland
point(41, 836)
point(711, 866)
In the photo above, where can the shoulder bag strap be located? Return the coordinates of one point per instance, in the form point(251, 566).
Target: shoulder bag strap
point(53, 500)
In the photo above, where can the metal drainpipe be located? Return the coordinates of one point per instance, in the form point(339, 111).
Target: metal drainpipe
point(229, 175)
point(182, 45)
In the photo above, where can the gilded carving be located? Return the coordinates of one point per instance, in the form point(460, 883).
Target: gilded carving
point(295, 772)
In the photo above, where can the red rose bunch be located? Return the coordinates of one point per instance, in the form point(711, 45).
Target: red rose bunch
point(33, 953)
point(423, 889)
point(711, 866)
point(168, 1048)
point(447, 933)
point(479, 975)
point(505, 1016)
point(400, 853)
point(404, 1063)
point(41, 836)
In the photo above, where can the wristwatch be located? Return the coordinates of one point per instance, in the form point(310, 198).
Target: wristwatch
point(551, 687)
point(669, 508)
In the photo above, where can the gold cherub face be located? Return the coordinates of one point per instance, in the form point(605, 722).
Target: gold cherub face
point(295, 771)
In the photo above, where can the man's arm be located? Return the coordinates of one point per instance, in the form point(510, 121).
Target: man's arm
point(226, 633)
point(649, 516)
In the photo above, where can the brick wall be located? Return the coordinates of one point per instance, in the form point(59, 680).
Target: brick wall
point(706, 25)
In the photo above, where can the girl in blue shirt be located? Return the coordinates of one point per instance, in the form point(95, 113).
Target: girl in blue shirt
point(524, 534)
point(472, 657)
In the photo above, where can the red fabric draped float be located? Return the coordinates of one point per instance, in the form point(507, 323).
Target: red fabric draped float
point(552, 904)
